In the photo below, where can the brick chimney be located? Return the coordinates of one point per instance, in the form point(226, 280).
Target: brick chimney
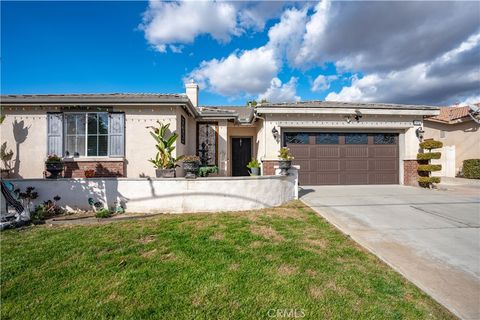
point(191, 89)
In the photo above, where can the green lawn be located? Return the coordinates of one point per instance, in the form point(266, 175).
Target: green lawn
point(203, 266)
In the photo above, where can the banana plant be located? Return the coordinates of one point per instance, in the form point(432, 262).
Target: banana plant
point(165, 145)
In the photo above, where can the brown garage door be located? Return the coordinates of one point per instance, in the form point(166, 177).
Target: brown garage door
point(344, 158)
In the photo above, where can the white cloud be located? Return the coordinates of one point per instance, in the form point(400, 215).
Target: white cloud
point(470, 100)
point(175, 23)
point(252, 72)
point(384, 36)
point(422, 83)
point(322, 83)
point(281, 92)
point(246, 72)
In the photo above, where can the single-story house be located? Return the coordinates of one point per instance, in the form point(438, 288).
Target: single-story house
point(332, 142)
point(458, 129)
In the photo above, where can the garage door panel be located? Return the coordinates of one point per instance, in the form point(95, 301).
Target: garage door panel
point(354, 178)
point(303, 164)
point(384, 152)
point(329, 159)
point(384, 165)
point(356, 165)
point(300, 151)
point(383, 178)
point(356, 152)
point(324, 165)
point(326, 178)
point(326, 151)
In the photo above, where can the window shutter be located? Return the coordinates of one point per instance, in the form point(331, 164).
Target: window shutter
point(55, 134)
point(116, 135)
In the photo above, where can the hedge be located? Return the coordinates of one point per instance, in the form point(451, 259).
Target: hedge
point(471, 168)
point(429, 167)
point(428, 180)
point(431, 144)
point(429, 156)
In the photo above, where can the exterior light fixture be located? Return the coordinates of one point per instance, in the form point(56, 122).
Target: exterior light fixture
point(420, 133)
point(275, 133)
point(358, 115)
point(348, 119)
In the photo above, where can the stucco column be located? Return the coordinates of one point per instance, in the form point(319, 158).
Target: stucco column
point(222, 147)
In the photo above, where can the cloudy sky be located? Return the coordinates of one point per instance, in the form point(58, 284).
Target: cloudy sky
point(399, 52)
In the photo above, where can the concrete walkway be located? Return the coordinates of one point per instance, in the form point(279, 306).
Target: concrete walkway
point(432, 237)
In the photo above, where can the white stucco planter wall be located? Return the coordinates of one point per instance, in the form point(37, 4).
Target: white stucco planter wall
point(169, 195)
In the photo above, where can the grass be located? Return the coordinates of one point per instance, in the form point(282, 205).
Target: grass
point(202, 266)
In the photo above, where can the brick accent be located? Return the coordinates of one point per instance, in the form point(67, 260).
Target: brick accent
point(268, 167)
point(76, 169)
point(410, 173)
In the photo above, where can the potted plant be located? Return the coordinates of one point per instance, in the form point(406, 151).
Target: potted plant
point(205, 171)
point(190, 165)
point(164, 162)
point(254, 167)
point(285, 160)
point(54, 165)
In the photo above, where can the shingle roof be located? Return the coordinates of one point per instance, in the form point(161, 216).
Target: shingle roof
point(337, 104)
point(86, 98)
point(449, 114)
point(240, 111)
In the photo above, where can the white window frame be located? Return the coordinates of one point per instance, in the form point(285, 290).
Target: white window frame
point(65, 135)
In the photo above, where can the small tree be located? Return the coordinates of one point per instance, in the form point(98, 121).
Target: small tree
point(425, 169)
point(165, 146)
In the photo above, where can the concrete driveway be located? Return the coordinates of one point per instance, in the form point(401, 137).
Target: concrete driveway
point(432, 237)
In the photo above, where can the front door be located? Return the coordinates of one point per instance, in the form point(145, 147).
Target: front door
point(241, 156)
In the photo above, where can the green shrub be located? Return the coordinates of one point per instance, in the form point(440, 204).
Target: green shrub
point(253, 164)
point(471, 168)
point(431, 144)
point(103, 213)
point(427, 181)
point(206, 170)
point(429, 156)
point(429, 167)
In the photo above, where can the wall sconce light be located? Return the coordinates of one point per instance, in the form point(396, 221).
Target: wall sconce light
point(275, 133)
point(348, 119)
point(358, 115)
point(420, 133)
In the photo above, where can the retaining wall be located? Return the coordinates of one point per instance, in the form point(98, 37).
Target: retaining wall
point(149, 195)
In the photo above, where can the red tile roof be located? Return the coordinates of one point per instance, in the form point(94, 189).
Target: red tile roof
point(449, 114)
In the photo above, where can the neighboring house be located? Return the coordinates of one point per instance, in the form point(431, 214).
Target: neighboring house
point(333, 142)
point(460, 134)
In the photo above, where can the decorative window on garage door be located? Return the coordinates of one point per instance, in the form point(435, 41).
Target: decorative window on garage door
point(356, 138)
point(327, 138)
point(384, 138)
point(296, 137)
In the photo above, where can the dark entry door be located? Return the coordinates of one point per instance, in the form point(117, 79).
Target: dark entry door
point(241, 155)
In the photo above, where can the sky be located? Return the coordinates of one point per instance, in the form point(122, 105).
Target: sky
point(391, 52)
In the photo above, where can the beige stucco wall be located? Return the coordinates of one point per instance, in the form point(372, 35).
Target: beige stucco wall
point(465, 136)
point(30, 132)
point(403, 125)
point(25, 131)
